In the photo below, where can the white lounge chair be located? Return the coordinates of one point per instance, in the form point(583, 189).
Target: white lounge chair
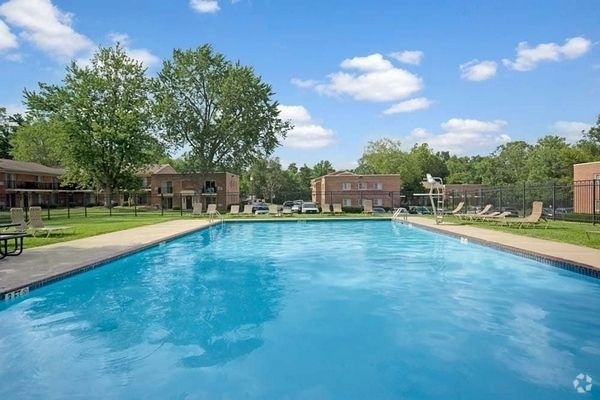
point(36, 224)
point(337, 208)
point(367, 206)
point(17, 216)
point(212, 212)
point(235, 209)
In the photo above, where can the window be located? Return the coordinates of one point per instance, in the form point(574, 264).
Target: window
point(166, 187)
point(210, 187)
point(346, 186)
point(377, 202)
point(362, 186)
point(347, 202)
point(598, 206)
point(377, 186)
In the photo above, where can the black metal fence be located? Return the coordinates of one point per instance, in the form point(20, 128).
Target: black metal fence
point(579, 201)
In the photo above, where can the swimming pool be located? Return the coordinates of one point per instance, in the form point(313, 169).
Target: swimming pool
point(312, 310)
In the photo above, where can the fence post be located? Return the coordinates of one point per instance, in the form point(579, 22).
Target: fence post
point(553, 200)
point(162, 208)
point(594, 201)
point(85, 203)
point(524, 202)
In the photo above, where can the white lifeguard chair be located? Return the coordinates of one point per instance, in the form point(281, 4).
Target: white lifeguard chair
point(437, 196)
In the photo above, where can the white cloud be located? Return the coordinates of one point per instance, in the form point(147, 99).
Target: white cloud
point(529, 57)
point(462, 136)
point(142, 55)
point(371, 78)
point(205, 6)
point(8, 40)
point(412, 57)
point(45, 26)
point(419, 103)
point(306, 134)
point(373, 62)
point(304, 83)
point(570, 130)
point(476, 70)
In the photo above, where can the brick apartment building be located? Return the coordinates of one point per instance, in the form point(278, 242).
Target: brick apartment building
point(350, 189)
point(586, 190)
point(26, 183)
point(165, 188)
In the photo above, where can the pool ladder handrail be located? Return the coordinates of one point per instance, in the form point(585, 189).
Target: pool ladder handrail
point(215, 213)
point(400, 213)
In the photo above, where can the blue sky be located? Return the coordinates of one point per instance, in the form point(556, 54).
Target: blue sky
point(463, 76)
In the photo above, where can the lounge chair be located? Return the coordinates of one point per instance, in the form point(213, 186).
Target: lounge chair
point(287, 212)
point(481, 217)
point(497, 217)
point(337, 208)
point(326, 209)
point(235, 209)
point(17, 219)
point(196, 208)
point(274, 210)
point(474, 216)
point(36, 224)
point(532, 219)
point(212, 212)
point(367, 206)
point(247, 210)
point(458, 208)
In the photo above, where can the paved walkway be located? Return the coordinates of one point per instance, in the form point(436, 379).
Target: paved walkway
point(42, 264)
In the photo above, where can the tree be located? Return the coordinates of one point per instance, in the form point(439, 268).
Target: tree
point(105, 112)
point(509, 163)
point(550, 160)
point(222, 111)
point(383, 156)
point(8, 126)
point(590, 144)
point(39, 141)
point(321, 168)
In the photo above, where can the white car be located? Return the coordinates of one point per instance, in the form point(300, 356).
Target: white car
point(309, 207)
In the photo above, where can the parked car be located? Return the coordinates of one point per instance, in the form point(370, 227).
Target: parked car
point(309, 208)
point(297, 206)
point(260, 208)
point(547, 212)
point(419, 210)
point(379, 210)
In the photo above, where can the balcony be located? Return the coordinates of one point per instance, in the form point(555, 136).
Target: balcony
point(20, 185)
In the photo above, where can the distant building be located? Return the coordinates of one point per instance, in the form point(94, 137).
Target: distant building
point(586, 187)
point(350, 189)
point(23, 184)
point(27, 183)
point(165, 188)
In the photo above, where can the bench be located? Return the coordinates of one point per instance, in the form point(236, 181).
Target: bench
point(16, 240)
point(588, 233)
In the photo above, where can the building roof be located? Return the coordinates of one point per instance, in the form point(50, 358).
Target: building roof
point(29, 167)
point(158, 170)
point(350, 173)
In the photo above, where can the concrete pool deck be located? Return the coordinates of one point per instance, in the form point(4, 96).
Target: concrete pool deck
point(43, 264)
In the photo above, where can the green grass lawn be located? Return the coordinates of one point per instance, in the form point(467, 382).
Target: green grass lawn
point(99, 221)
point(559, 231)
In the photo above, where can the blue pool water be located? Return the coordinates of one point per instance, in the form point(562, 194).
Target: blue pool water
point(315, 310)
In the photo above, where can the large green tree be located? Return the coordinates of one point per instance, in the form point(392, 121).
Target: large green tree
point(8, 125)
point(104, 109)
point(39, 141)
point(222, 112)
